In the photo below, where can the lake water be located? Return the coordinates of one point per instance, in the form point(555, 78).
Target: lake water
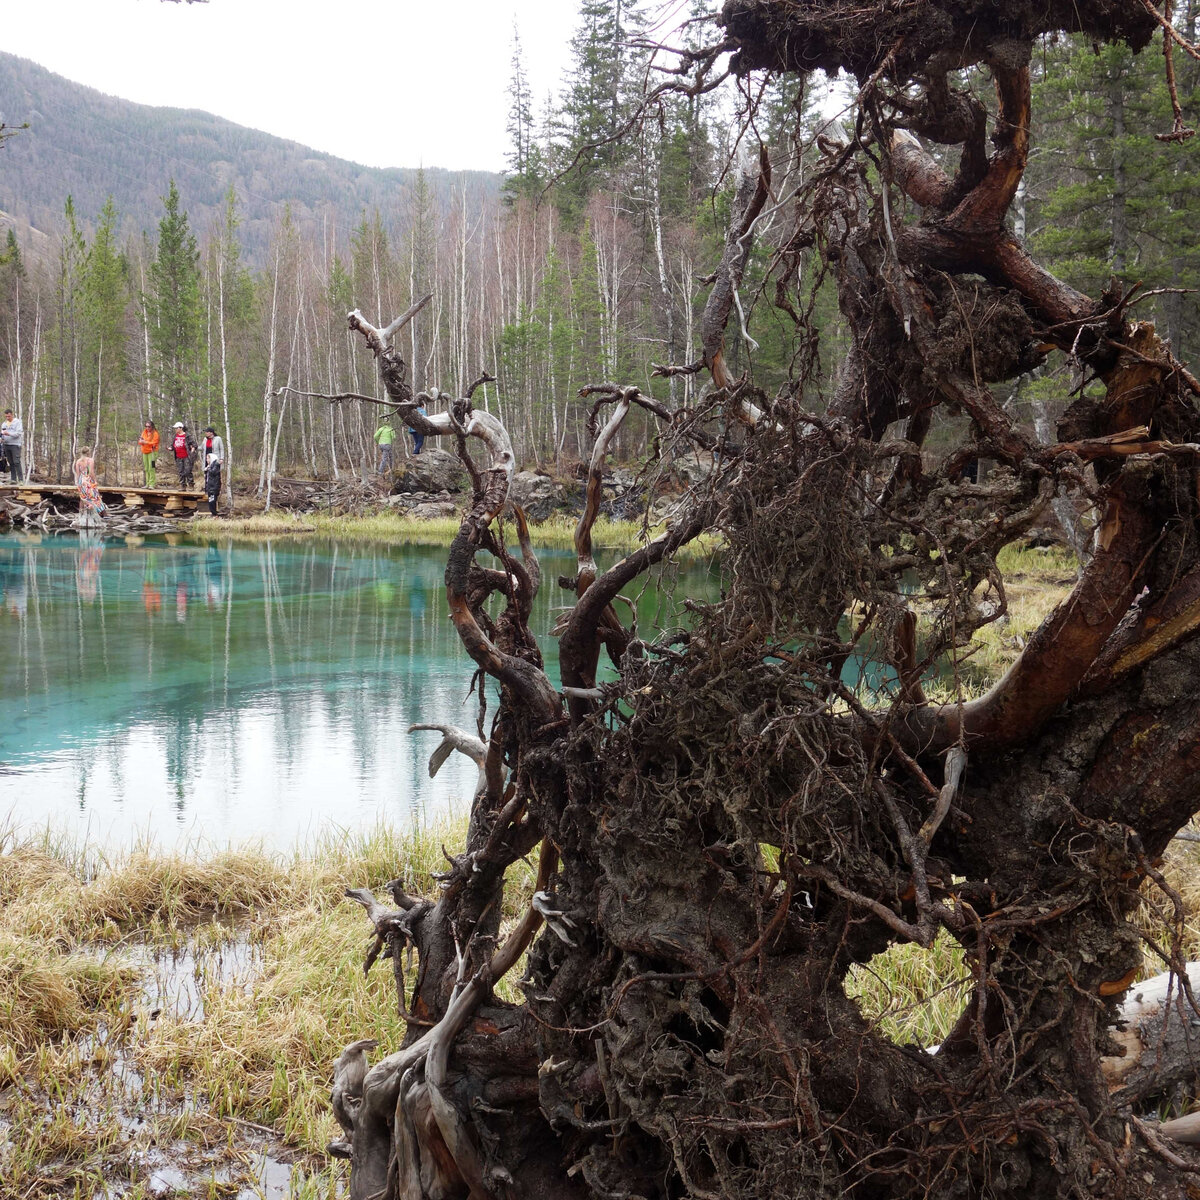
point(220, 693)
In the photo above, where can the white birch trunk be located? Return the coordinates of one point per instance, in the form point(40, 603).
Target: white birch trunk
point(224, 377)
point(269, 387)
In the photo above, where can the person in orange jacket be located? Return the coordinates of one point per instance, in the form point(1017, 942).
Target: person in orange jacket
point(148, 445)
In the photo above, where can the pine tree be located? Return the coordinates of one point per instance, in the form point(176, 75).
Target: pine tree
point(1107, 198)
point(524, 156)
point(11, 255)
point(174, 307)
point(421, 261)
point(14, 325)
point(596, 102)
point(105, 304)
point(235, 300)
point(72, 259)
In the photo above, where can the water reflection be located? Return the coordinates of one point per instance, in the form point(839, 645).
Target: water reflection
point(226, 692)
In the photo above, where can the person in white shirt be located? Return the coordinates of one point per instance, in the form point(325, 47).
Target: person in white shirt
point(12, 438)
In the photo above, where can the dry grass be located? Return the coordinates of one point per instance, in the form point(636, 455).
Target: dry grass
point(179, 999)
point(910, 994)
point(1156, 918)
point(46, 992)
point(1036, 579)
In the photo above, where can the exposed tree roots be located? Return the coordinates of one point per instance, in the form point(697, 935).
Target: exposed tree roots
point(768, 798)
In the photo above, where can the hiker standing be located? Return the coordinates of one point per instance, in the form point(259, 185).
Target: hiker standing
point(417, 436)
point(12, 438)
point(385, 435)
point(183, 446)
point(212, 455)
point(148, 444)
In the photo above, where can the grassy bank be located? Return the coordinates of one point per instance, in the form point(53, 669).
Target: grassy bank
point(1036, 580)
point(175, 1016)
point(557, 533)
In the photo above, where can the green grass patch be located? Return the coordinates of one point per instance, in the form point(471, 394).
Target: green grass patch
point(557, 533)
point(1036, 580)
point(912, 995)
point(1047, 563)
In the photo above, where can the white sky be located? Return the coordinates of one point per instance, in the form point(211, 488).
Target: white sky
point(399, 84)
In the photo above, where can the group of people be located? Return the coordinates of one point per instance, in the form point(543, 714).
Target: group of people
point(182, 446)
point(385, 436)
point(184, 450)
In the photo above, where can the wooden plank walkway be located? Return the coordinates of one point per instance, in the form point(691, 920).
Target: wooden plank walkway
point(166, 499)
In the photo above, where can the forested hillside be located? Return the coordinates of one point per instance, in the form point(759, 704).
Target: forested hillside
point(84, 144)
point(191, 269)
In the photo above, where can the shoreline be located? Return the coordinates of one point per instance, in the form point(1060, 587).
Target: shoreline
point(388, 525)
point(169, 1018)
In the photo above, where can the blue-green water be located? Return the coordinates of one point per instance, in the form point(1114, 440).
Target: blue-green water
point(230, 692)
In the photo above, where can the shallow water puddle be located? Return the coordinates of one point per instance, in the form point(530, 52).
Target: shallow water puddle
point(250, 1164)
point(174, 980)
point(101, 1122)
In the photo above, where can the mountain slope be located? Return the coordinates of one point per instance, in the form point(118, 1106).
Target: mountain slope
point(85, 144)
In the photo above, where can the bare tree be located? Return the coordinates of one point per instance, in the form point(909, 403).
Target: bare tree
point(731, 826)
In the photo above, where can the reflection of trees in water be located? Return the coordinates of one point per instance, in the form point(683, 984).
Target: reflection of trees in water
point(183, 735)
point(15, 566)
point(288, 651)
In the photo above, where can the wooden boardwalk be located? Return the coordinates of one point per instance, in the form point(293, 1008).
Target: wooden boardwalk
point(167, 500)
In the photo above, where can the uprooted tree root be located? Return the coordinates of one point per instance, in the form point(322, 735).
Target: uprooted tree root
point(767, 799)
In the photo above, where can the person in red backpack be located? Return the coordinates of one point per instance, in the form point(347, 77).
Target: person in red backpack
point(183, 447)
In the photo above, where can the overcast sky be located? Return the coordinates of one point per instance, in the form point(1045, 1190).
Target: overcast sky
point(392, 84)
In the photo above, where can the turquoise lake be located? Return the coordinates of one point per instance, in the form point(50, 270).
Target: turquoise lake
point(200, 693)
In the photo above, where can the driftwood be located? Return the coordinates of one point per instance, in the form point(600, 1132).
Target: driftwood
point(118, 521)
point(349, 1073)
point(475, 748)
point(349, 494)
point(1158, 1032)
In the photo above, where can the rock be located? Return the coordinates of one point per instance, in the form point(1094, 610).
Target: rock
point(539, 495)
point(663, 508)
point(693, 467)
point(624, 505)
point(432, 510)
point(624, 495)
point(432, 470)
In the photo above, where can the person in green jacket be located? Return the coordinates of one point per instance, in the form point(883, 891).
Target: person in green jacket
point(385, 435)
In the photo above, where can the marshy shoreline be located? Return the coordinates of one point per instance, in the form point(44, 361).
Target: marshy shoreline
point(169, 1019)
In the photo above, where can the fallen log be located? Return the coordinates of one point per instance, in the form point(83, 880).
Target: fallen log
point(1159, 1036)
